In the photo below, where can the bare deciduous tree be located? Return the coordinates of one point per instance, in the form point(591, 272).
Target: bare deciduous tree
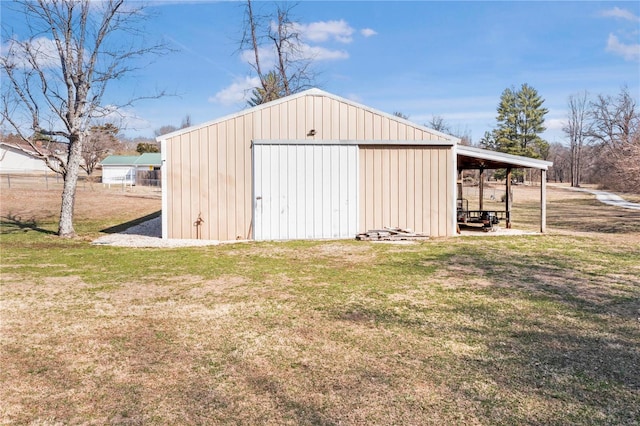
point(276, 34)
point(560, 156)
point(55, 80)
point(577, 129)
point(439, 124)
point(186, 122)
point(99, 142)
point(169, 128)
point(400, 114)
point(615, 129)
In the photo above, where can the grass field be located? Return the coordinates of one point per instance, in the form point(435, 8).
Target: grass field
point(469, 330)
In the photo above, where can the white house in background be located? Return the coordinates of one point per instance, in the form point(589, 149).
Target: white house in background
point(14, 159)
point(124, 169)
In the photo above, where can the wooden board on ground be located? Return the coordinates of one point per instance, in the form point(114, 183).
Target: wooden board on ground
point(390, 234)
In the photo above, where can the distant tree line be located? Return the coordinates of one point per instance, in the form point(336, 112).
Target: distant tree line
point(602, 137)
point(603, 146)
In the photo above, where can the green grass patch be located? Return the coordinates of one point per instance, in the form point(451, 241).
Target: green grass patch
point(495, 330)
point(467, 330)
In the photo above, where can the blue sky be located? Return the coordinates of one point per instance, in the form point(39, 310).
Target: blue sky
point(422, 58)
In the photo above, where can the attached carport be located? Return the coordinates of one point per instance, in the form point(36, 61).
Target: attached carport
point(471, 158)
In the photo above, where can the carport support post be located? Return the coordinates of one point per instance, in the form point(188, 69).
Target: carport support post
point(507, 198)
point(543, 201)
point(481, 189)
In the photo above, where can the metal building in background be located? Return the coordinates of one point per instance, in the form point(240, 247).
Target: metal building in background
point(309, 166)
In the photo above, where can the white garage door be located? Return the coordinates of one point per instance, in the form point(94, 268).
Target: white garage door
point(305, 191)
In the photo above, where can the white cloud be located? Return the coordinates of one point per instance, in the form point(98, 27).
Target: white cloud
point(237, 92)
point(322, 31)
point(355, 97)
point(41, 48)
point(368, 32)
point(267, 57)
point(616, 12)
point(311, 36)
point(318, 53)
point(555, 123)
point(309, 48)
point(304, 51)
point(630, 52)
point(125, 119)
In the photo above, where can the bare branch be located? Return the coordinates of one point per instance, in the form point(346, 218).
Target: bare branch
point(615, 133)
point(44, 98)
point(277, 34)
point(577, 128)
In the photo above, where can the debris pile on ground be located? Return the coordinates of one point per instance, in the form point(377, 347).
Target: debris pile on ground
point(390, 234)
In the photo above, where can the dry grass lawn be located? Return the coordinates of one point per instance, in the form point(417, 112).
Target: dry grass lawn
point(495, 330)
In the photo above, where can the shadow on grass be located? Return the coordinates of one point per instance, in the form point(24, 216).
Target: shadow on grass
point(591, 216)
point(551, 330)
point(123, 226)
point(12, 223)
point(300, 409)
point(560, 366)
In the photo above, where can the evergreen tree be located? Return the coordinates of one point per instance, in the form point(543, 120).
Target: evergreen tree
point(488, 141)
point(520, 121)
point(271, 90)
point(147, 147)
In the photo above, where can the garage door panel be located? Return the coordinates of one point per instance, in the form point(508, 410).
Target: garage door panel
point(305, 191)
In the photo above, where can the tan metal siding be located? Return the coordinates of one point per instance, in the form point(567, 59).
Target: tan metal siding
point(172, 166)
point(212, 221)
point(185, 184)
point(406, 187)
point(208, 176)
point(209, 169)
point(203, 177)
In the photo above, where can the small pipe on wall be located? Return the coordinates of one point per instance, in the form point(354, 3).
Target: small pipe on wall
point(198, 223)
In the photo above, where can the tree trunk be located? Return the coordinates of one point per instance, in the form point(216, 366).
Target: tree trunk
point(65, 226)
point(572, 161)
point(577, 183)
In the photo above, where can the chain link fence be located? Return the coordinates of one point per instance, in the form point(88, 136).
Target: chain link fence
point(50, 180)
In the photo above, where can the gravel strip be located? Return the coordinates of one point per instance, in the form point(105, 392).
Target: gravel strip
point(148, 234)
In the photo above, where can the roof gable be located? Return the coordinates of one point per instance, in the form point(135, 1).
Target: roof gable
point(26, 149)
point(310, 93)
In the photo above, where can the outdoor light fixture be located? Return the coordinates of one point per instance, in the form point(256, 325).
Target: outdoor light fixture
point(312, 132)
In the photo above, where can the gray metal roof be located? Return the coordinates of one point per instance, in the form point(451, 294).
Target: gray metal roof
point(470, 157)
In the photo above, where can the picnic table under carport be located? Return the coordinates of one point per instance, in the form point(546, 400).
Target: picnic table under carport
point(472, 158)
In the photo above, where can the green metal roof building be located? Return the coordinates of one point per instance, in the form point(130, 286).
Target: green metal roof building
point(125, 169)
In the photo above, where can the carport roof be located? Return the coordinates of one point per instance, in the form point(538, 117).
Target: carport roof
point(470, 157)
